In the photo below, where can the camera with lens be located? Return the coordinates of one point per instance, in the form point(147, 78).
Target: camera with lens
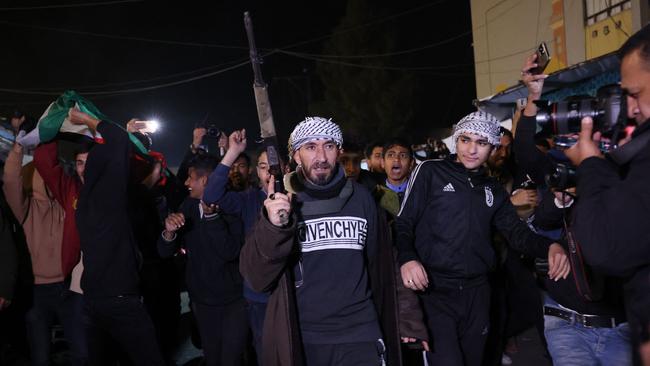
point(562, 118)
point(213, 131)
point(562, 178)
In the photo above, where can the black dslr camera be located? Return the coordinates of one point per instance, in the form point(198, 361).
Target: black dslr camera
point(562, 118)
point(565, 117)
point(212, 130)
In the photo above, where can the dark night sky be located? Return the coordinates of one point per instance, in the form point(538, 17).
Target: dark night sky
point(38, 59)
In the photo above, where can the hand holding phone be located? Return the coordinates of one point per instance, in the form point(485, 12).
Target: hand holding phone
point(542, 59)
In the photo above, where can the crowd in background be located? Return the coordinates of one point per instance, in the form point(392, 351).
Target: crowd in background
point(371, 254)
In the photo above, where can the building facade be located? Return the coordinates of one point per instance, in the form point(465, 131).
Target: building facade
point(506, 31)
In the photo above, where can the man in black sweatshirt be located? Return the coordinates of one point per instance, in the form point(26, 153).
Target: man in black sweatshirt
point(110, 279)
point(212, 240)
point(318, 257)
point(444, 239)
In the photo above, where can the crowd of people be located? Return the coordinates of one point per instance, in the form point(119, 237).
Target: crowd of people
point(442, 261)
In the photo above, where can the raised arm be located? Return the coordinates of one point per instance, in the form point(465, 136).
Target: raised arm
point(216, 192)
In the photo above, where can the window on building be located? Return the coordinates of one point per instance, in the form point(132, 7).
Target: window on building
point(598, 10)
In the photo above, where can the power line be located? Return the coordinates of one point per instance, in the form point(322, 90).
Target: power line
point(372, 22)
point(133, 82)
point(403, 52)
point(136, 90)
point(128, 38)
point(211, 45)
point(371, 67)
point(79, 5)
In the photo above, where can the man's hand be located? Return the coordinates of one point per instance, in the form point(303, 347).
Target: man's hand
point(524, 197)
point(78, 117)
point(237, 141)
point(565, 198)
point(208, 209)
point(4, 303)
point(174, 222)
point(414, 276)
point(197, 136)
point(132, 126)
point(587, 145)
point(425, 344)
point(223, 142)
point(534, 84)
point(558, 262)
point(277, 205)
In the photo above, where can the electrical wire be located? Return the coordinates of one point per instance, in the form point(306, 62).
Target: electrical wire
point(387, 54)
point(78, 5)
point(133, 90)
point(133, 82)
point(364, 25)
point(372, 67)
point(127, 38)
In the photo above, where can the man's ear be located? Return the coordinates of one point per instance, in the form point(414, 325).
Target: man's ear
point(296, 158)
point(204, 180)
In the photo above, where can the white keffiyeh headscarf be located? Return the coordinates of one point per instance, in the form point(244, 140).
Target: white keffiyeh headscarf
point(314, 128)
point(478, 123)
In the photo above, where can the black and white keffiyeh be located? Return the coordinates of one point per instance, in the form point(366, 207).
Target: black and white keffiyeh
point(314, 128)
point(478, 123)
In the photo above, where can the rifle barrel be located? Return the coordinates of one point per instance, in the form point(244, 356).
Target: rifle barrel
point(256, 60)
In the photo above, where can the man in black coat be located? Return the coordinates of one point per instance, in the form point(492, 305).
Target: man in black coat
point(612, 215)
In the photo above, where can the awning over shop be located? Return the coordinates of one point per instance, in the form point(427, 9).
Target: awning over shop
point(580, 79)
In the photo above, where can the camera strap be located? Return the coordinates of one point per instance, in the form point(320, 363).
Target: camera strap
point(589, 286)
point(625, 153)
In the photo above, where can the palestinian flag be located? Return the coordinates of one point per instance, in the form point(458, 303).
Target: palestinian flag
point(54, 123)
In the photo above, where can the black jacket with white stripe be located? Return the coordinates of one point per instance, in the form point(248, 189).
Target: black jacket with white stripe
point(446, 223)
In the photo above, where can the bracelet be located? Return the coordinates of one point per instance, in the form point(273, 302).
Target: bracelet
point(168, 240)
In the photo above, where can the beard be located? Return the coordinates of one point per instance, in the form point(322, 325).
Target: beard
point(320, 178)
point(236, 182)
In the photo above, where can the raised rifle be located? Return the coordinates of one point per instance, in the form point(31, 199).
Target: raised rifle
point(264, 113)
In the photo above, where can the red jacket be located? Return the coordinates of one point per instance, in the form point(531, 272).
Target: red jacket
point(65, 190)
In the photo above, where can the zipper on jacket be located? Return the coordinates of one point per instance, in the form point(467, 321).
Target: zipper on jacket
point(469, 179)
point(467, 248)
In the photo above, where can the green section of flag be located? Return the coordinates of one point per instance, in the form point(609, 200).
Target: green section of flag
point(50, 124)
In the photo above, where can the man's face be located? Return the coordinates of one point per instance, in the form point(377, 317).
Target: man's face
point(374, 160)
point(472, 150)
point(263, 170)
point(351, 162)
point(397, 163)
point(318, 159)
point(501, 153)
point(196, 183)
point(635, 82)
point(80, 165)
point(239, 173)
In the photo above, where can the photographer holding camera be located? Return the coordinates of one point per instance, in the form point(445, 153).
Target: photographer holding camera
point(615, 200)
point(582, 313)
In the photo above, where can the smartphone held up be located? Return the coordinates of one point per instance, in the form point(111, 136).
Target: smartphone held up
point(542, 59)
